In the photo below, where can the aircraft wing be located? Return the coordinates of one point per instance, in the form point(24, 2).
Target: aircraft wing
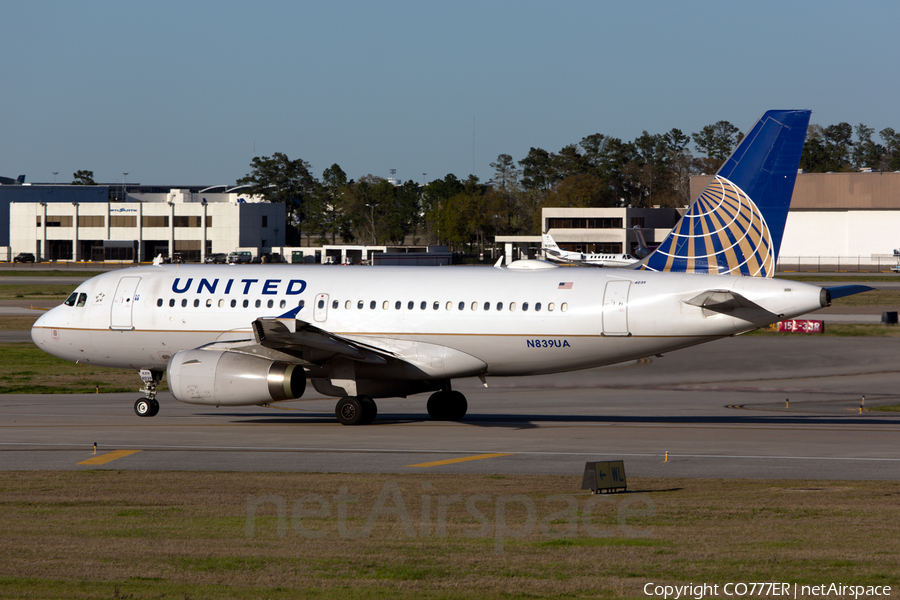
point(276, 334)
point(313, 345)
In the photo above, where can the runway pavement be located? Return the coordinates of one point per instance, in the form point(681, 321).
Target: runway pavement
point(718, 410)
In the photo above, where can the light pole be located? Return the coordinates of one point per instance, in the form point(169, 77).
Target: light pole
point(124, 186)
point(55, 173)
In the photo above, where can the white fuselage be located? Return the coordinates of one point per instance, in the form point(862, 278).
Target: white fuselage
point(517, 322)
point(596, 260)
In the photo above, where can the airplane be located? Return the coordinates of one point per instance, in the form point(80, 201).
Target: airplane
point(555, 253)
point(642, 250)
point(258, 334)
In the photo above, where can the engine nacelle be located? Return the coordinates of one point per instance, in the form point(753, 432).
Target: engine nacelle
point(232, 379)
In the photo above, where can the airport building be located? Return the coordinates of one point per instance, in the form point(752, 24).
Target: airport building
point(596, 230)
point(77, 223)
point(837, 221)
point(839, 216)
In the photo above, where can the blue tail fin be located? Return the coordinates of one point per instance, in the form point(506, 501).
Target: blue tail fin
point(736, 225)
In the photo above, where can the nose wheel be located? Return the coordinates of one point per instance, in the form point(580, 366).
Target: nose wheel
point(146, 407)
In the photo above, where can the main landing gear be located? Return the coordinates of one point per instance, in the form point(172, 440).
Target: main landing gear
point(356, 410)
point(148, 406)
point(447, 405)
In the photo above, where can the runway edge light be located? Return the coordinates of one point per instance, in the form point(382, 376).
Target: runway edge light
point(604, 476)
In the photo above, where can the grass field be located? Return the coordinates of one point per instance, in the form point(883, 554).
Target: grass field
point(47, 273)
point(133, 534)
point(22, 291)
point(24, 369)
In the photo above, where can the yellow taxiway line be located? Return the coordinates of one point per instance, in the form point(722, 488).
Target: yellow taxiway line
point(451, 461)
point(108, 457)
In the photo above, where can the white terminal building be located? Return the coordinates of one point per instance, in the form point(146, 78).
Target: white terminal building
point(192, 224)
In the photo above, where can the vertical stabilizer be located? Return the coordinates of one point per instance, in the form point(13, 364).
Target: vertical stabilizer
point(736, 225)
point(549, 243)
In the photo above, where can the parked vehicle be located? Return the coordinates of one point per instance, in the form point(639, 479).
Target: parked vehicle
point(218, 258)
point(24, 257)
point(240, 257)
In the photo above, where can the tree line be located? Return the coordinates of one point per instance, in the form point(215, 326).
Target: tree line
point(598, 171)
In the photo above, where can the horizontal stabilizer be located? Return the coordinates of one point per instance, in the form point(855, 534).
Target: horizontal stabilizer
point(840, 291)
point(731, 303)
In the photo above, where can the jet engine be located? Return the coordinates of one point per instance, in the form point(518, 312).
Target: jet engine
point(226, 378)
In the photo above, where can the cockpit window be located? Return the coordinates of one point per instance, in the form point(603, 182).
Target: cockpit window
point(82, 298)
point(70, 301)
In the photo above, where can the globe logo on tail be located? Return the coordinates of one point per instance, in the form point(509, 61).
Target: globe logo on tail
point(723, 232)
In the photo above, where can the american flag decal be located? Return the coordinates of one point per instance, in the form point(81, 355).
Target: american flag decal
point(565, 285)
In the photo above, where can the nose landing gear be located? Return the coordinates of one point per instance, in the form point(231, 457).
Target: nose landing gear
point(148, 406)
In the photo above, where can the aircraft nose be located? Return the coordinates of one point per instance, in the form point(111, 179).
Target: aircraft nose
point(37, 330)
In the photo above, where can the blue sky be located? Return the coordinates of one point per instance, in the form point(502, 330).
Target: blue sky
point(182, 92)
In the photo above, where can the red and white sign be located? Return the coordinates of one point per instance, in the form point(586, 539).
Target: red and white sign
point(801, 326)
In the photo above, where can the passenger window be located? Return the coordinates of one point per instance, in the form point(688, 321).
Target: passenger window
point(183, 302)
point(385, 305)
point(449, 305)
point(196, 302)
point(411, 305)
point(537, 307)
point(282, 304)
point(474, 306)
point(499, 306)
point(209, 303)
point(524, 306)
point(347, 304)
point(70, 301)
point(512, 306)
point(258, 303)
point(462, 306)
point(397, 305)
point(335, 304)
point(436, 305)
point(171, 301)
point(246, 303)
point(270, 304)
point(233, 303)
point(159, 302)
point(359, 305)
point(564, 306)
point(551, 306)
point(422, 306)
point(372, 304)
point(321, 304)
point(301, 304)
point(487, 306)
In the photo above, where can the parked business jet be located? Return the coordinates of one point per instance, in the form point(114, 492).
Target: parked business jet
point(642, 250)
point(557, 254)
point(256, 334)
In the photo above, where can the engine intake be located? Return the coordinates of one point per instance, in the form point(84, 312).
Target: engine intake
point(224, 378)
